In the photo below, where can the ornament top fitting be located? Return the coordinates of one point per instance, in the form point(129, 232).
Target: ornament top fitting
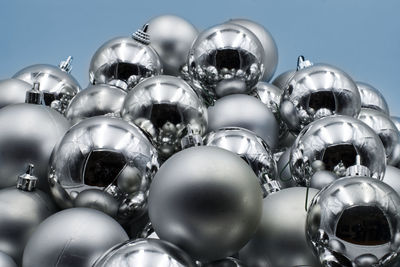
point(35, 96)
point(66, 65)
point(141, 35)
point(27, 181)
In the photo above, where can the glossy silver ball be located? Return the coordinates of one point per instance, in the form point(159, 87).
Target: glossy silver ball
point(227, 262)
point(93, 157)
point(396, 121)
point(392, 178)
point(29, 134)
point(318, 91)
point(145, 253)
point(283, 79)
point(355, 221)
point(172, 37)
point(197, 193)
point(383, 127)
point(284, 174)
point(280, 240)
point(246, 112)
point(96, 100)
point(322, 178)
point(124, 62)
point(13, 91)
point(336, 141)
point(6, 261)
point(372, 98)
point(268, 43)
point(226, 59)
point(165, 107)
point(73, 237)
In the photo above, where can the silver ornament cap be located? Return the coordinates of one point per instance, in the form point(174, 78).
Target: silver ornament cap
point(358, 169)
point(27, 181)
point(34, 96)
point(141, 35)
point(66, 65)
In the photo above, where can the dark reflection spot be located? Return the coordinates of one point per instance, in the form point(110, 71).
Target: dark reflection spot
point(48, 98)
point(343, 261)
point(163, 113)
point(345, 153)
point(322, 99)
point(122, 71)
point(227, 58)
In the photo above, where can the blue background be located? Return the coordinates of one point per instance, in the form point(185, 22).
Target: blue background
point(361, 37)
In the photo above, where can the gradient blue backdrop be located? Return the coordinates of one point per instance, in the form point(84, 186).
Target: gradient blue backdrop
point(360, 36)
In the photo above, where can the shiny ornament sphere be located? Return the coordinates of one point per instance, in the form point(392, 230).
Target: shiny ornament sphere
point(73, 237)
point(145, 253)
point(396, 121)
point(336, 141)
point(322, 178)
point(103, 163)
point(6, 261)
point(96, 100)
point(165, 107)
point(280, 240)
point(392, 178)
point(13, 91)
point(29, 134)
point(318, 91)
point(124, 62)
point(372, 98)
point(284, 174)
point(383, 127)
point(283, 79)
point(268, 43)
point(226, 59)
point(227, 262)
point(355, 221)
point(246, 112)
point(172, 37)
point(202, 194)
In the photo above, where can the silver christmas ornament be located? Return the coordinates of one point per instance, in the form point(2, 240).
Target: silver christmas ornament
point(227, 262)
point(56, 83)
point(73, 237)
point(383, 127)
point(392, 178)
point(125, 61)
point(103, 163)
point(145, 253)
point(267, 42)
point(6, 261)
point(22, 210)
point(396, 121)
point(284, 175)
point(395, 157)
point(226, 59)
point(317, 91)
point(355, 221)
point(280, 240)
point(372, 98)
point(96, 100)
point(336, 141)
point(29, 134)
point(167, 108)
point(283, 79)
point(13, 91)
point(172, 37)
point(200, 191)
point(246, 112)
point(322, 178)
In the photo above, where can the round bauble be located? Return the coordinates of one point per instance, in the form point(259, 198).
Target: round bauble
point(372, 98)
point(6, 261)
point(282, 79)
point(392, 178)
point(13, 91)
point(197, 193)
point(322, 178)
point(284, 175)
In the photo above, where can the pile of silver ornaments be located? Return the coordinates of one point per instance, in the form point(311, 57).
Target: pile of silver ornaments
point(182, 152)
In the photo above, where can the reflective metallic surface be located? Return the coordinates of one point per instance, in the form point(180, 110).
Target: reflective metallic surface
point(13, 91)
point(283, 79)
point(73, 237)
point(172, 37)
point(226, 55)
point(284, 174)
point(396, 121)
point(268, 43)
point(392, 178)
point(227, 262)
point(206, 200)
point(87, 166)
point(246, 112)
point(280, 240)
point(355, 222)
point(336, 141)
point(372, 98)
point(318, 91)
point(165, 106)
point(123, 62)
point(322, 178)
point(29, 134)
point(145, 253)
point(6, 261)
point(95, 100)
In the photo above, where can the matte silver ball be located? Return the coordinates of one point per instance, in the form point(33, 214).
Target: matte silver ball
point(268, 43)
point(322, 178)
point(318, 91)
point(124, 62)
point(21, 213)
point(283, 79)
point(6, 261)
point(172, 37)
point(229, 54)
point(93, 155)
point(145, 253)
point(29, 134)
point(13, 91)
point(336, 141)
point(372, 98)
point(246, 112)
point(73, 237)
point(96, 100)
point(392, 178)
point(197, 193)
point(165, 107)
point(355, 221)
point(280, 240)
